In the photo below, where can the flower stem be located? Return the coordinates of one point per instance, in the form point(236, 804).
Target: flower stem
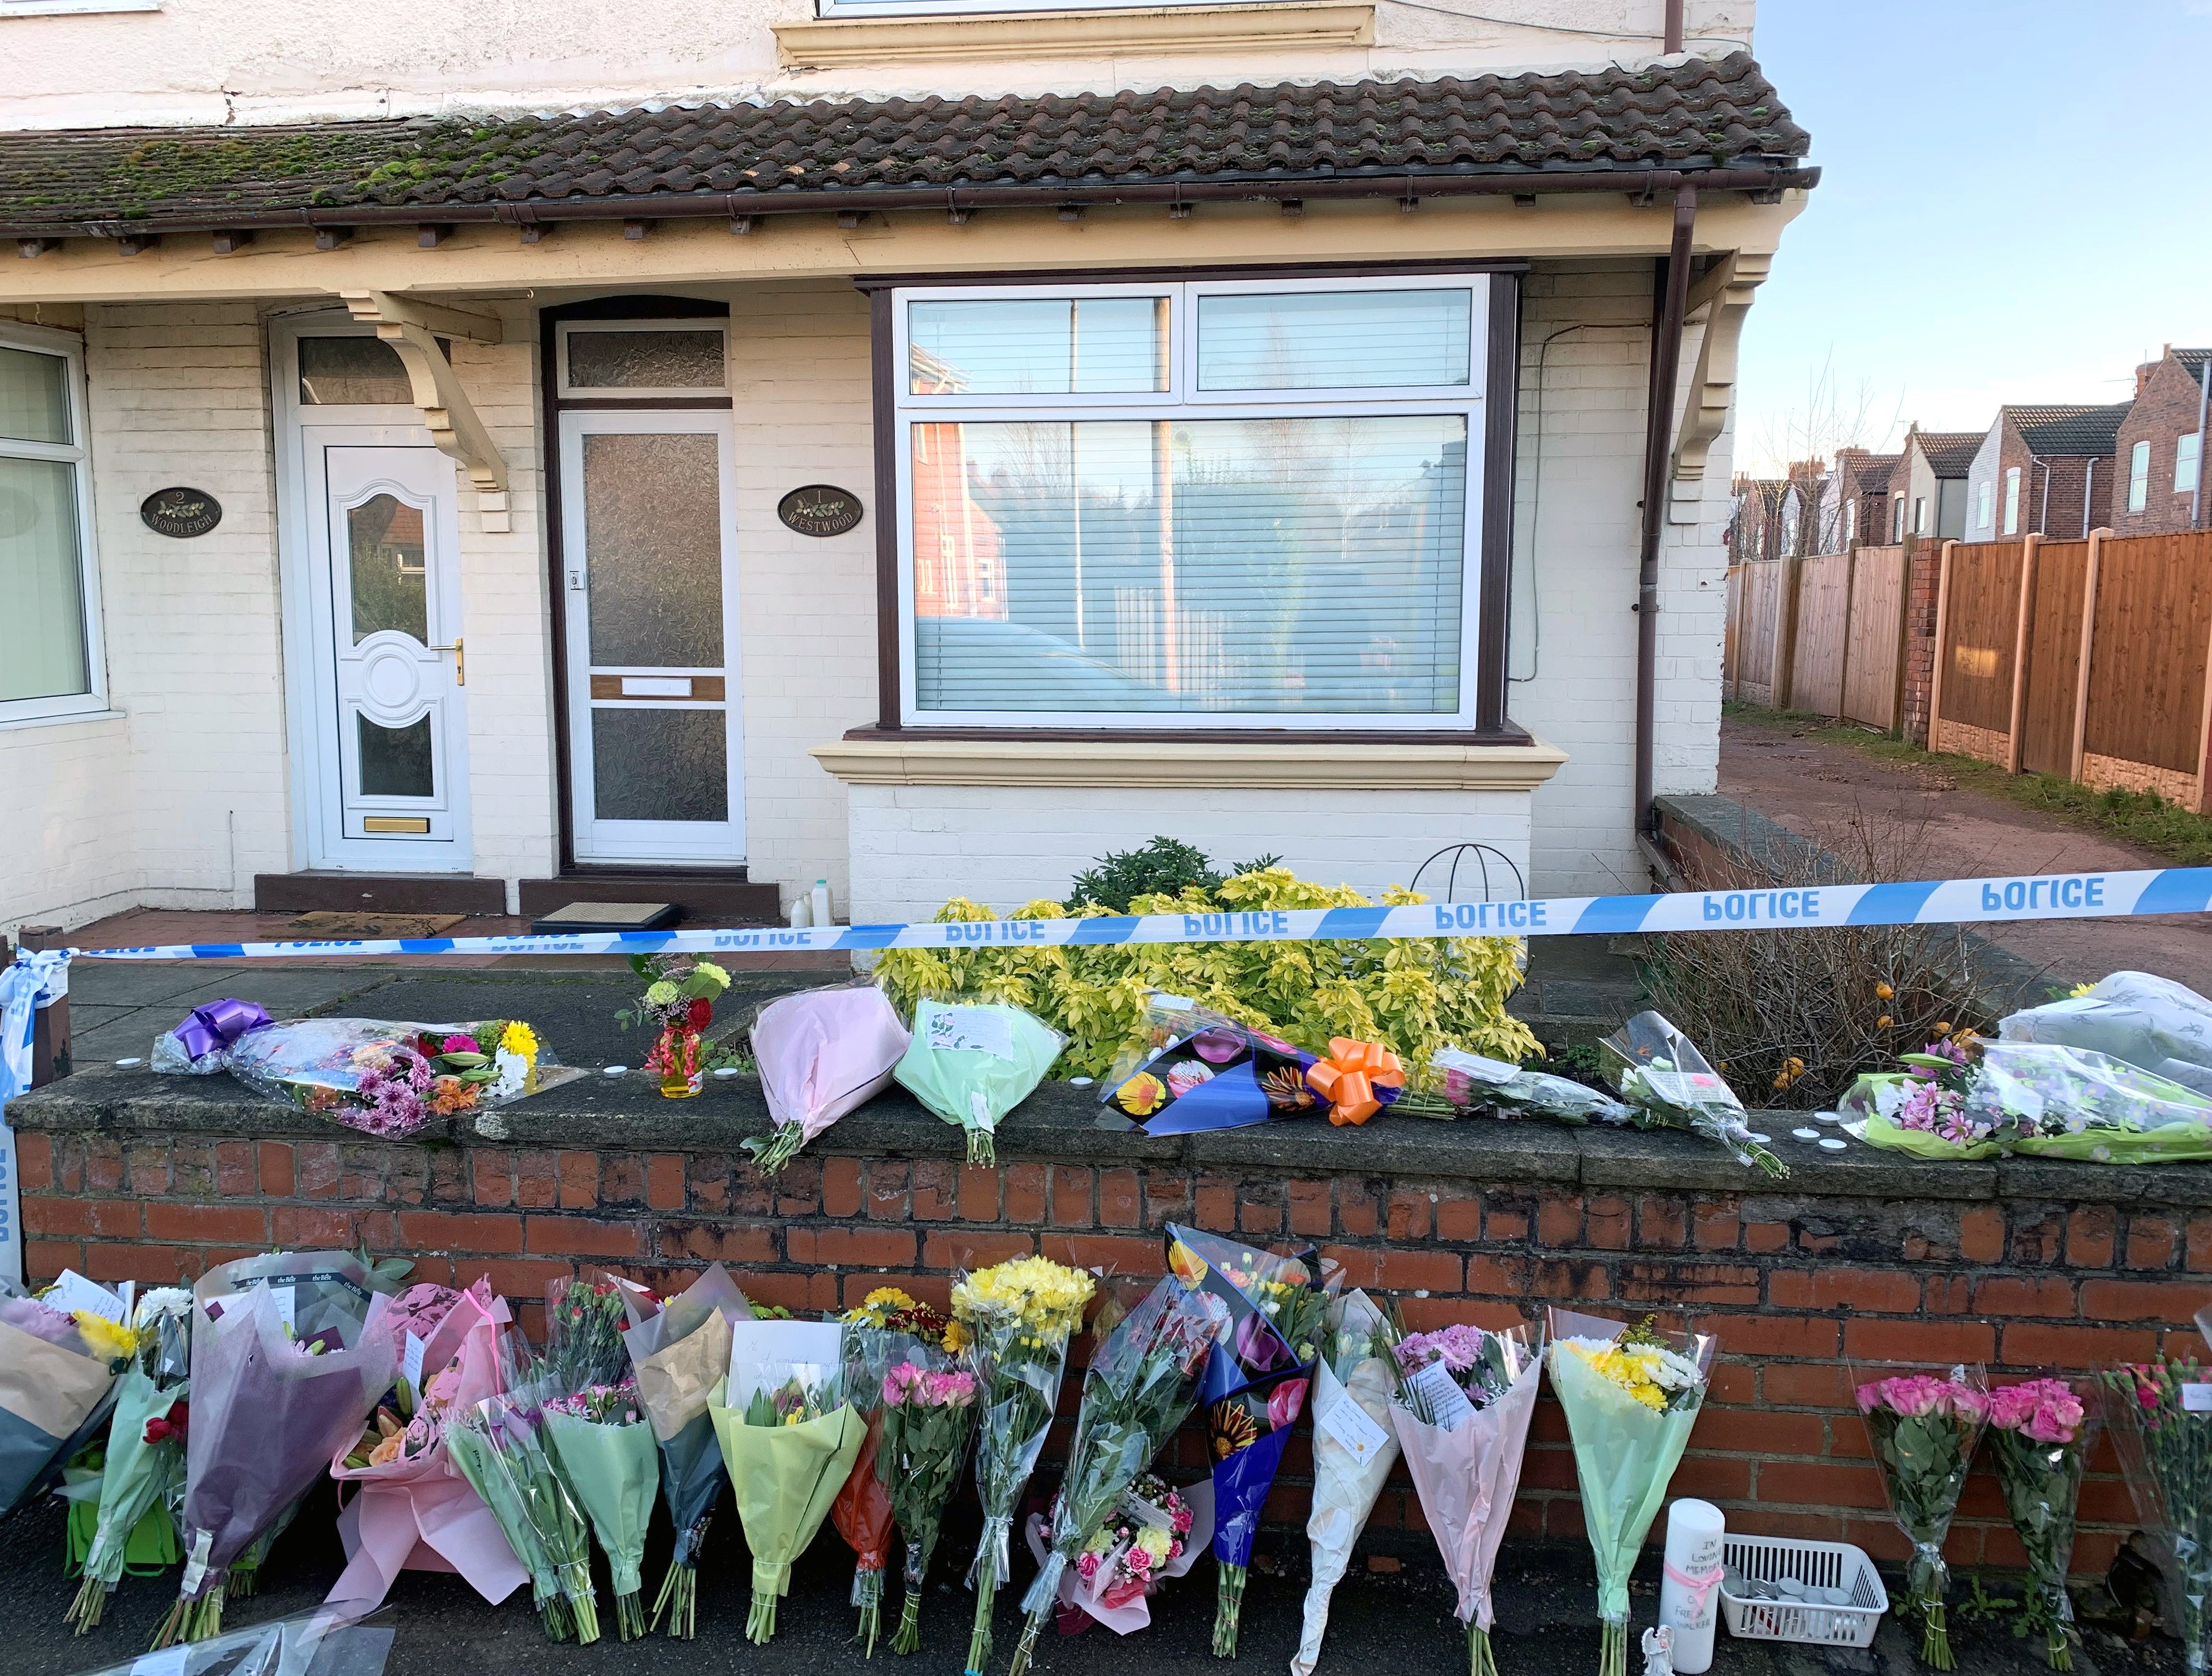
point(2058, 1650)
point(680, 1599)
point(91, 1603)
point(986, 1597)
point(1027, 1645)
point(1613, 1649)
point(906, 1638)
point(1936, 1642)
point(1480, 1660)
point(629, 1616)
point(1228, 1606)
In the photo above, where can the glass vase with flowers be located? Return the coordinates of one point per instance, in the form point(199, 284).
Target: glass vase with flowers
point(679, 1004)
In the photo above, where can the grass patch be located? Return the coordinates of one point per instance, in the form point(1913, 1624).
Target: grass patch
point(2140, 817)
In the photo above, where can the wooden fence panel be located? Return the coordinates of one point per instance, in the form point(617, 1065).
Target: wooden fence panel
point(1981, 621)
point(2054, 656)
point(2147, 664)
point(1875, 637)
point(1728, 634)
point(1823, 597)
point(1759, 596)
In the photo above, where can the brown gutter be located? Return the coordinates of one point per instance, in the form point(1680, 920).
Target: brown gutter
point(1403, 185)
point(1669, 305)
point(1674, 26)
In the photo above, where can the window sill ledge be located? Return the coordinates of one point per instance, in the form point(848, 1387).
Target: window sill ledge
point(1178, 764)
point(60, 718)
point(834, 43)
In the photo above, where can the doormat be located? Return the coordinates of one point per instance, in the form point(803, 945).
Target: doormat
point(324, 923)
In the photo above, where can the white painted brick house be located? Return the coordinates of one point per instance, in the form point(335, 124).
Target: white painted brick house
point(1264, 467)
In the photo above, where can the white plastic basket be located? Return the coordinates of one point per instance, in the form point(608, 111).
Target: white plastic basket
point(1817, 1565)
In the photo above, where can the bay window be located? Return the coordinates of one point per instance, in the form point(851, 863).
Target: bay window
point(49, 661)
point(1210, 504)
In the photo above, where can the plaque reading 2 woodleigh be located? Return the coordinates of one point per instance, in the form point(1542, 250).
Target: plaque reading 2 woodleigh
point(818, 509)
point(181, 513)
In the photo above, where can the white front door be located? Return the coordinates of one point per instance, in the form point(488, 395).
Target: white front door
point(649, 595)
point(390, 738)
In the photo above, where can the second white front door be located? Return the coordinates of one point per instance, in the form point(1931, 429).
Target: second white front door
point(650, 607)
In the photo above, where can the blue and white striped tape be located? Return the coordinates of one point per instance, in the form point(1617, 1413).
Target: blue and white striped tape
point(1925, 902)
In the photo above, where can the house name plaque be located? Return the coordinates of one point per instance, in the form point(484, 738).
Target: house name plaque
point(819, 509)
point(182, 512)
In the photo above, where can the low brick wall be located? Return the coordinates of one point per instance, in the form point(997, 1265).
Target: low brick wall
point(2023, 1265)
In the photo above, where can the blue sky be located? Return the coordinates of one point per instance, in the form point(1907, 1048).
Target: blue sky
point(2015, 206)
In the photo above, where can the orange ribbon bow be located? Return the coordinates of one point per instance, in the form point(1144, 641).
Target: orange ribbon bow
point(1348, 1078)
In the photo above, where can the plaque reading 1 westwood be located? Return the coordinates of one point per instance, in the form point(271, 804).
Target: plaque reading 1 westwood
point(182, 512)
point(818, 509)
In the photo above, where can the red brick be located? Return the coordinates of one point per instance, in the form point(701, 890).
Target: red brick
point(1420, 1271)
point(521, 1278)
point(1948, 1295)
point(746, 1244)
point(44, 1259)
point(959, 1248)
point(1410, 1215)
point(103, 1165)
point(2150, 1242)
point(1113, 1254)
point(2074, 1348)
point(1685, 1283)
point(1459, 1217)
point(1715, 1228)
point(1023, 1186)
point(796, 1191)
point(890, 1188)
point(1167, 1199)
point(1609, 1223)
point(585, 1236)
point(1785, 1337)
point(1071, 1196)
point(840, 1186)
point(1982, 1233)
point(1766, 1237)
point(1505, 1217)
point(934, 1190)
point(1733, 1383)
point(315, 1227)
point(157, 1265)
point(448, 1231)
point(1217, 1202)
point(621, 1180)
point(275, 1165)
point(1880, 1291)
point(316, 1165)
point(861, 1247)
point(1919, 1341)
point(1260, 1210)
point(247, 1224)
point(1662, 1222)
point(664, 1181)
point(536, 1180)
point(1761, 1432)
point(1121, 1205)
point(979, 1192)
point(2022, 1294)
point(1559, 1221)
point(107, 1218)
point(236, 1176)
point(1716, 1478)
point(578, 1174)
point(2198, 1256)
point(34, 1161)
point(147, 1168)
point(1806, 1485)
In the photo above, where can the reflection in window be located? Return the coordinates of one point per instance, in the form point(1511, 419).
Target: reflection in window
point(390, 584)
point(33, 396)
point(1037, 346)
point(673, 360)
point(343, 372)
point(42, 582)
point(395, 761)
point(1278, 566)
point(1333, 340)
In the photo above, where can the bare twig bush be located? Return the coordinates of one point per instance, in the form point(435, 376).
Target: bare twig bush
point(1791, 1017)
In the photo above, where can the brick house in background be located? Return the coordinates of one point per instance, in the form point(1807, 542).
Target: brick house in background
point(1779, 518)
point(2157, 455)
point(2044, 470)
point(1928, 484)
point(1854, 501)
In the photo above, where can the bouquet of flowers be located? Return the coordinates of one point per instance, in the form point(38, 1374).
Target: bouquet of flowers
point(1141, 1385)
point(1255, 1386)
point(2164, 1438)
point(1201, 1070)
point(972, 1064)
point(606, 1454)
point(415, 1508)
point(928, 1418)
point(1630, 1395)
point(1458, 1083)
point(877, 1330)
point(2039, 1434)
point(145, 1451)
point(1923, 1428)
point(681, 1353)
point(1153, 1533)
point(1354, 1448)
point(57, 1369)
point(790, 1439)
point(1463, 1404)
point(499, 1445)
point(1668, 1085)
point(383, 1078)
point(678, 1003)
point(289, 1354)
point(1015, 1317)
point(821, 1052)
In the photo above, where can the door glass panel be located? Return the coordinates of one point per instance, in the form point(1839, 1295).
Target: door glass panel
point(391, 583)
point(342, 371)
point(652, 528)
point(661, 765)
point(42, 582)
point(1333, 340)
point(33, 396)
point(645, 360)
point(395, 761)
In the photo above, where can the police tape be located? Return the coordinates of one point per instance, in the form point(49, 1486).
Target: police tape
point(1922, 903)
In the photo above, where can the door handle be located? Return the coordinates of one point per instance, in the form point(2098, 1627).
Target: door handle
point(460, 661)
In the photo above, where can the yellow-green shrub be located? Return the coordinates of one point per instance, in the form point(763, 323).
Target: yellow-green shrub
point(1414, 995)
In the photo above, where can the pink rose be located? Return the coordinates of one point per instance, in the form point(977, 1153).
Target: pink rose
point(1965, 1400)
point(1870, 1396)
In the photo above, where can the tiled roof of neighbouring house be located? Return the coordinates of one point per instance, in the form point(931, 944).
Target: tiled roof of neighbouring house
point(2193, 360)
point(1951, 453)
point(1873, 472)
point(1691, 114)
point(2052, 431)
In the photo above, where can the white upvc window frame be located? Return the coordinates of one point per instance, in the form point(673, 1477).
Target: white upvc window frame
point(1183, 400)
point(718, 324)
point(2012, 500)
point(70, 348)
point(1984, 518)
point(2139, 477)
point(2188, 462)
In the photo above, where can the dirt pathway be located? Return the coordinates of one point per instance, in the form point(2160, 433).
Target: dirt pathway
point(1820, 790)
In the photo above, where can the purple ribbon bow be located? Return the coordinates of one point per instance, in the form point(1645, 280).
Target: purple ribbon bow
point(218, 1024)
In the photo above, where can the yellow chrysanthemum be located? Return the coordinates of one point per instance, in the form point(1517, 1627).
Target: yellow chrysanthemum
point(519, 1039)
point(1046, 1299)
point(108, 1341)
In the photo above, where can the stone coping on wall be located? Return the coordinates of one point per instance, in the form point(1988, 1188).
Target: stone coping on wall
point(1062, 1123)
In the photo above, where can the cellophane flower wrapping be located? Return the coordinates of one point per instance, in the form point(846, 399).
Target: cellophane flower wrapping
point(1458, 1084)
point(325, 1642)
point(2160, 1415)
point(680, 1352)
point(2039, 1439)
point(1153, 1534)
point(1630, 1396)
point(1201, 1070)
point(145, 1442)
point(821, 1052)
point(596, 1427)
point(58, 1386)
point(289, 1356)
point(973, 1062)
point(1141, 1385)
point(1255, 1387)
point(1465, 1452)
point(1667, 1084)
point(790, 1439)
point(1013, 1319)
point(1353, 1449)
point(499, 1446)
point(930, 1397)
point(878, 1333)
point(1923, 1425)
point(2148, 1021)
point(383, 1077)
